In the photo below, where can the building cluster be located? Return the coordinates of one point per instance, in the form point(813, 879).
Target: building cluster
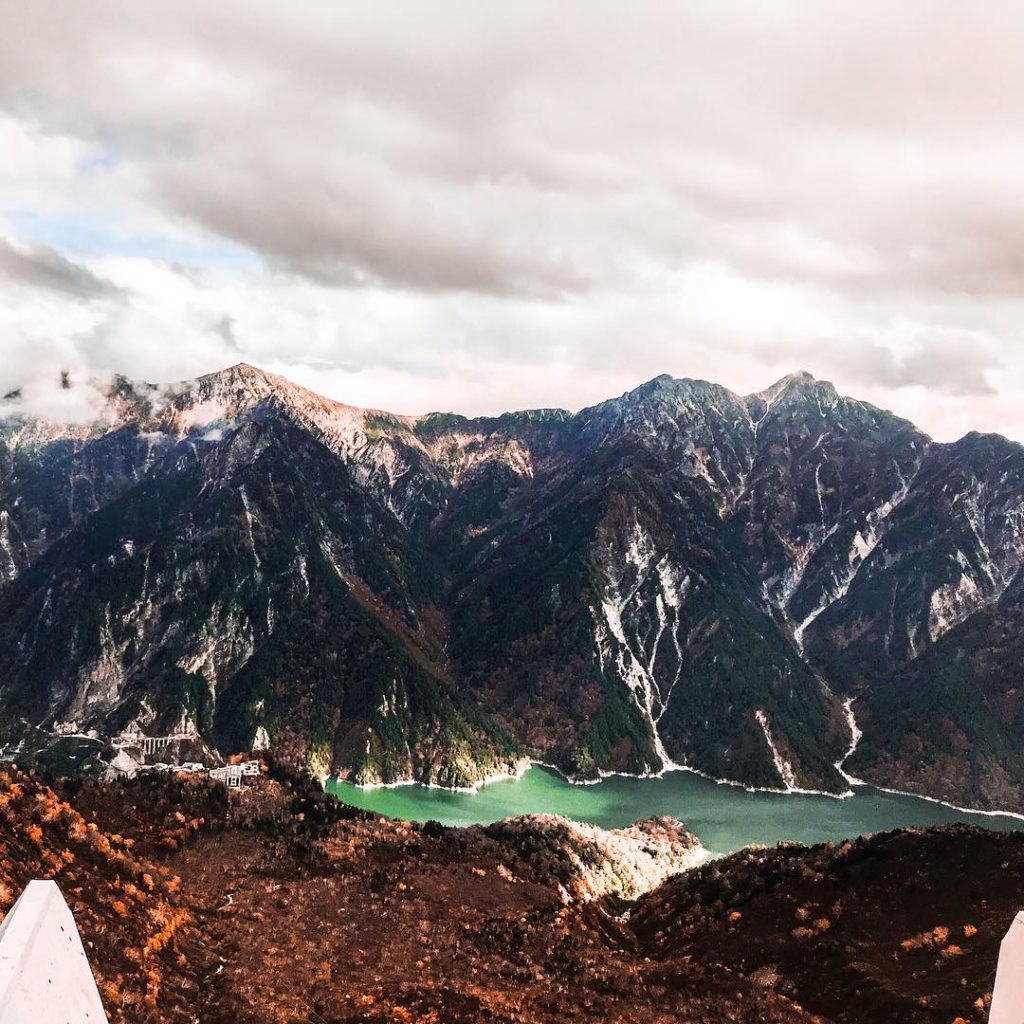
point(124, 766)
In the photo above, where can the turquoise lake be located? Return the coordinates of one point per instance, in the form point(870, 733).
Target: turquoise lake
point(725, 818)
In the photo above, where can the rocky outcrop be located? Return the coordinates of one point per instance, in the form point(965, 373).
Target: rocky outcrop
point(588, 862)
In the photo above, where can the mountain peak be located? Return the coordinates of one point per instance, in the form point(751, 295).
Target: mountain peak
point(799, 379)
point(666, 384)
point(247, 370)
point(794, 388)
point(800, 376)
point(240, 374)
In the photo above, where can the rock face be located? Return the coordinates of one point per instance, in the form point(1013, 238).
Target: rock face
point(589, 862)
point(679, 576)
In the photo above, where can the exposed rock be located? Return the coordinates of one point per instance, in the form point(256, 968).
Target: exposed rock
point(590, 862)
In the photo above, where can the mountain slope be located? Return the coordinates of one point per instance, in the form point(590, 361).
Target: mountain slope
point(680, 576)
point(246, 583)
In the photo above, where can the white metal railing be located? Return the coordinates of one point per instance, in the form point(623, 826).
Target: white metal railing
point(44, 974)
point(1008, 996)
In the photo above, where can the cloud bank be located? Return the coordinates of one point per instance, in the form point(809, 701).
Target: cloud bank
point(483, 206)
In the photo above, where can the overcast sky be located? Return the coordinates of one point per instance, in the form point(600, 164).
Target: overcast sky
point(485, 206)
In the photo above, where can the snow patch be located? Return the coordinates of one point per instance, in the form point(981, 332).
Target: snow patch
point(863, 544)
point(951, 604)
point(8, 566)
point(984, 576)
point(248, 520)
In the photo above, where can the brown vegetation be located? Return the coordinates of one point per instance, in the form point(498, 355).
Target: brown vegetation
point(280, 905)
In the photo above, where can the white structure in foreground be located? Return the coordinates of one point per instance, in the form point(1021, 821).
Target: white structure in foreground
point(44, 975)
point(1008, 997)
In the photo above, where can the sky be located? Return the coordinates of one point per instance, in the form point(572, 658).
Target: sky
point(483, 206)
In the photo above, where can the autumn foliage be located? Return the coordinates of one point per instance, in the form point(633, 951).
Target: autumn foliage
point(136, 933)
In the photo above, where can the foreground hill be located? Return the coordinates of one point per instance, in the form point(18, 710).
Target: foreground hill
point(680, 575)
point(901, 927)
point(280, 905)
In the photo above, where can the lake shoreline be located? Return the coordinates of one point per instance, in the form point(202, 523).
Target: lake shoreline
point(527, 763)
point(724, 817)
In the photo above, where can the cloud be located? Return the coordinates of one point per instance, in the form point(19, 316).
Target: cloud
point(224, 328)
point(42, 267)
point(486, 204)
point(906, 355)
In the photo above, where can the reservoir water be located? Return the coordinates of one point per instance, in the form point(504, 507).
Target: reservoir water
point(724, 818)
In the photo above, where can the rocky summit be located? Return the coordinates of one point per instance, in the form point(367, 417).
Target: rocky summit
point(790, 589)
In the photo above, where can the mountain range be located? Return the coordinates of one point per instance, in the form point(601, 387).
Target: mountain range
point(792, 590)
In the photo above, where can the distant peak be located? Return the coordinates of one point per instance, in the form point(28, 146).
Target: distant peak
point(243, 370)
point(790, 380)
point(794, 384)
point(799, 377)
point(240, 375)
point(666, 382)
point(659, 383)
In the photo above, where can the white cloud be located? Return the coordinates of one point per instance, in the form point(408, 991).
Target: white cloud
point(486, 205)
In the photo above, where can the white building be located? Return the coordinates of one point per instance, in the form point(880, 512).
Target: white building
point(233, 774)
point(230, 775)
